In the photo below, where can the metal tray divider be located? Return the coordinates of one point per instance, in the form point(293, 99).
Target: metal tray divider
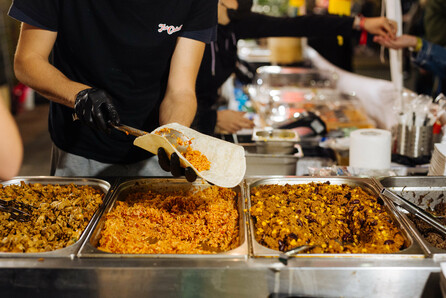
point(247, 200)
point(106, 202)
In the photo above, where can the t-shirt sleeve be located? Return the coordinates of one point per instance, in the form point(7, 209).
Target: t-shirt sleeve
point(202, 22)
point(39, 13)
point(206, 35)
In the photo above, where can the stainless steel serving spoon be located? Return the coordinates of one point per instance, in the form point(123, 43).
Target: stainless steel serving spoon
point(284, 257)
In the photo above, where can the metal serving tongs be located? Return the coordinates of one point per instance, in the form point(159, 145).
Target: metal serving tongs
point(128, 130)
point(12, 207)
point(414, 209)
point(176, 138)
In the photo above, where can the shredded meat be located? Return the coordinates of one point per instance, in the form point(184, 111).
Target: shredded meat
point(429, 233)
point(61, 214)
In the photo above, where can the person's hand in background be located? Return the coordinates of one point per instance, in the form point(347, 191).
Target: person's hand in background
point(232, 121)
point(403, 41)
point(173, 165)
point(95, 108)
point(380, 26)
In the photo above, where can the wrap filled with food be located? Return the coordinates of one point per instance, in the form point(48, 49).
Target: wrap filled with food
point(216, 161)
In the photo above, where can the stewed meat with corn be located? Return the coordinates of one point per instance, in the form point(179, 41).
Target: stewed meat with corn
point(335, 218)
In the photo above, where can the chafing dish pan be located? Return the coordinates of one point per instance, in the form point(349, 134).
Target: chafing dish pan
point(412, 247)
point(424, 192)
point(89, 249)
point(275, 141)
point(295, 76)
point(69, 251)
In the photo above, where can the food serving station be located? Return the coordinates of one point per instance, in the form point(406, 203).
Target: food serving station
point(283, 98)
point(249, 270)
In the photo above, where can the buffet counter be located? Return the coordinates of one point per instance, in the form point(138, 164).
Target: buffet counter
point(307, 277)
point(248, 270)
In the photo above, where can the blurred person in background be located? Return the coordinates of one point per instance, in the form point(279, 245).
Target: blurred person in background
point(413, 14)
point(426, 55)
point(435, 21)
point(11, 146)
point(107, 62)
point(235, 22)
point(434, 32)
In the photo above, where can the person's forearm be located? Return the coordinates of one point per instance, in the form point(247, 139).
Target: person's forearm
point(11, 148)
point(47, 80)
point(179, 107)
point(180, 102)
point(259, 25)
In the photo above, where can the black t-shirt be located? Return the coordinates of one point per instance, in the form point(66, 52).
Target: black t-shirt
point(220, 57)
point(123, 47)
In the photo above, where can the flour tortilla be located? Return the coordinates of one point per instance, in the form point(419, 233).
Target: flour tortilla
point(228, 162)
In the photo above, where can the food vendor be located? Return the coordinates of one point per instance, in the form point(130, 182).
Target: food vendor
point(236, 21)
point(127, 62)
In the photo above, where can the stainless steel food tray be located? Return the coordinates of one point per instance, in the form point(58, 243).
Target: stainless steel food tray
point(89, 249)
point(69, 251)
point(425, 192)
point(412, 250)
point(296, 76)
point(270, 164)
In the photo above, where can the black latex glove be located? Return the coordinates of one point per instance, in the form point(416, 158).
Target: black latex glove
point(173, 165)
point(95, 108)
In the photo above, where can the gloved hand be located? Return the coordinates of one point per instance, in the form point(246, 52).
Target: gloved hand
point(173, 165)
point(95, 108)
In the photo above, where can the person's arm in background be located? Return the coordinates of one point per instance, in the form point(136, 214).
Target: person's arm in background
point(11, 146)
point(180, 102)
point(229, 121)
point(427, 55)
point(258, 25)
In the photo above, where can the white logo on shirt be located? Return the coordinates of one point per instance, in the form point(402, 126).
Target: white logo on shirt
point(170, 29)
